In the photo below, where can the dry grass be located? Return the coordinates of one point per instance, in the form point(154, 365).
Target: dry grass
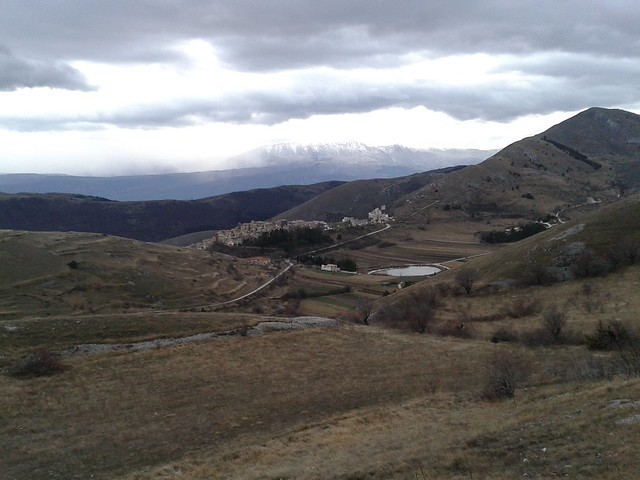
point(62, 332)
point(551, 431)
point(108, 414)
point(72, 273)
point(353, 402)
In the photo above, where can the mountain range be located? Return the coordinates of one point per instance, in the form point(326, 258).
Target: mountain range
point(265, 167)
point(591, 158)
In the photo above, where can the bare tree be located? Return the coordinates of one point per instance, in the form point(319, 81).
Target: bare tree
point(465, 278)
point(365, 307)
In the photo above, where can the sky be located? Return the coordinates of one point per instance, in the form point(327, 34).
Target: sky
point(113, 87)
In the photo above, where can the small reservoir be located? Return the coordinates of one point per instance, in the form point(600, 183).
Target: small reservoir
point(408, 271)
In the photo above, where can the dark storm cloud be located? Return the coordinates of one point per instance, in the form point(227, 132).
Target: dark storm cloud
point(288, 33)
point(21, 73)
point(576, 53)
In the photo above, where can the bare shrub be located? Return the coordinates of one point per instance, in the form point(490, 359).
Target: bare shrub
point(38, 363)
point(420, 310)
point(443, 289)
point(615, 336)
point(553, 321)
point(591, 367)
point(466, 278)
point(504, 334)
point(523, 307)
point(452, 328)
point(594, 300)
point(504, 372)
point(539, 274)
point(606, 337)
point(588, 264)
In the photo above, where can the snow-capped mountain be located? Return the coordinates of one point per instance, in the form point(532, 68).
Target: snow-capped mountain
point(266, 167)
point(393, 160)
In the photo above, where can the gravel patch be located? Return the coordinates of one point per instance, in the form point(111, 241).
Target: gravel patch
point(632, 420)
point(297, 323)
point(623, 403)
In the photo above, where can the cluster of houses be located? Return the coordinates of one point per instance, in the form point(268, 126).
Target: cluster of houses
point(378, 215)
point(246, 231)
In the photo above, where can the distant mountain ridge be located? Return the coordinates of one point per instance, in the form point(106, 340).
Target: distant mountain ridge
point(265, 167)
point(149, 220)
point(590, 158)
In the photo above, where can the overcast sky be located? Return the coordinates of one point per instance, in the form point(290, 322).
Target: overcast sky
point(140, 86)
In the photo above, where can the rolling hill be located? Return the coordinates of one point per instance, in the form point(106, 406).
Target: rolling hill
point(152, 220)
point(56, 273)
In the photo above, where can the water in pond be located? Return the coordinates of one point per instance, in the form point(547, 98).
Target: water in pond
point(410, 271)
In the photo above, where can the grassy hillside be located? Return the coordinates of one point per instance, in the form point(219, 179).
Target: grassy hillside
point(592, 156)
point(607, 234)
point(72, 273)
point(358, 198)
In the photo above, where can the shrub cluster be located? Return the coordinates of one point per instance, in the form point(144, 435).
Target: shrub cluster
point(523, 307)
point(504, 334)
point(38, 363)
point(612, 336)
point(617, 337)
point(414, 313)
point(623, 253)
point(512, 235)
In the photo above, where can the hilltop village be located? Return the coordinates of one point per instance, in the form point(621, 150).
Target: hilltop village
point(246, 231)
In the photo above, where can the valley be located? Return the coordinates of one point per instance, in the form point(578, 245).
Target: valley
point(519, 359)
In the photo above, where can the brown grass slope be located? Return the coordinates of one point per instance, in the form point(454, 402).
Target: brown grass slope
point(605, 232)
point(65, 273)
point(358, 198)
point(592, 156)
point(337, 404)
